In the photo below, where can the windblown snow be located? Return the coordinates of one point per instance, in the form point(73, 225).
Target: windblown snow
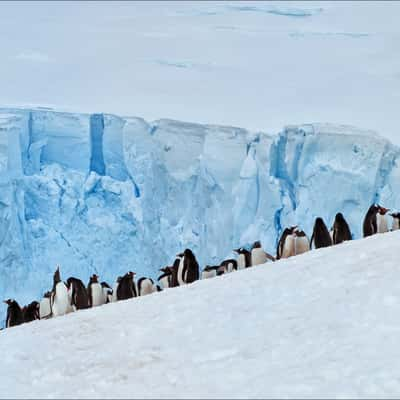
point(106, 194)
point(324, 324)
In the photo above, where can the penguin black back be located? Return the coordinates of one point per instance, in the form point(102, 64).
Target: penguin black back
point(174, 273)
point(126, 288)
point(191, 266)
point(341, 230)
point(14, 314)
point(370, 224)
point(31, 311)
point(79, 295)
point(228, 262)
point(320, 236)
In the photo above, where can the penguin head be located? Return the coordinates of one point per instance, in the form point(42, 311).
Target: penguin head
point(339, 217)
point(47, 295)
point(57, 276)
point(257, 245)
point(94, 279)
point(383, 210)
point(8, 301)
point(188, 253)
point(395, 215)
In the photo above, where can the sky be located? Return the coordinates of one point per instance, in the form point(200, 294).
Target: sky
point(257, 65)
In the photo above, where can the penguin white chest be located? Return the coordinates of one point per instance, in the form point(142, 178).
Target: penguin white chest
point(97, 294)
point(288, 247)
point(61, 304)
point(146, 287)
point(45, 308)
point(181, 277)
point(208, 274)
point(395, 224)
point(114, 293)
point(381, 223)
point(241, 261)
point(164, 281)
point(258, 256)
point(301, 245)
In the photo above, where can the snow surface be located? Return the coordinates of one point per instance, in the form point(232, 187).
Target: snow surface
point(324, 324)
point(254, 64)
point(99, 193)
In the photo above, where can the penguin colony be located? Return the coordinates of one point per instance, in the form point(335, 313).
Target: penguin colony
point(73, 295)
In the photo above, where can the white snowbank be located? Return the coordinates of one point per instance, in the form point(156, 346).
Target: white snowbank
point(323, 324)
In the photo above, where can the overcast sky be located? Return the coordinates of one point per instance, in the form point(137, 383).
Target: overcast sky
point(256, 65)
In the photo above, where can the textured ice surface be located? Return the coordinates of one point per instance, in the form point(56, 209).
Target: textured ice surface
point(106, 194)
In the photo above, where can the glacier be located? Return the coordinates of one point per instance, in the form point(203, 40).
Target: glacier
point(107, 194)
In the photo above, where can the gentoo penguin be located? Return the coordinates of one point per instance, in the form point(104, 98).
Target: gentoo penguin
point(229, 265)
point(115, 289)
point(60, 303)
point(126, 287)
point(95, 292)
point(78, 294)
point(14, 314)
point(370, 223)
point(244, 258)
point(301, 242)
point(381, 221)
point(396, 221)
point(31, 311)
point(285, 248)
point(258, 255)
point(165, 277)
point(188, 269)
point(341, 230)
point(320, 236)
point(174, 273)
point(107, 292)
point(145, 286)
point(209, 272)
point(45, 306)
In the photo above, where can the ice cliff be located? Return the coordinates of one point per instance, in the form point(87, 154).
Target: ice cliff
point(108, 194)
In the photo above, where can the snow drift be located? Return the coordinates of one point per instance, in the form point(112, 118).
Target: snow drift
point(106, 194)
point(324, 324)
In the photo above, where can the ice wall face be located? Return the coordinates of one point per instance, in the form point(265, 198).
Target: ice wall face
point(106, 194)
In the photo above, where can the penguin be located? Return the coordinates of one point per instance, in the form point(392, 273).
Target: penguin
point(192, 273)
point(165, 277)
point(285, 248)
point(78, 294)
point(370, 221)
point(229, 265)
point(45, 306)
point(95, 292)
point(258, 255)
point(381, 220)
point(126, 287)
point(107, 292)
point(31, 311)
point(396, 221)
point(244, 258)
point(145, 286)
point(60, 303)
point(320, 236)
point(173, 282)
point(209, 272)
point(14, 314)
point(341, 230)
point(115, 289)
point(301, 242)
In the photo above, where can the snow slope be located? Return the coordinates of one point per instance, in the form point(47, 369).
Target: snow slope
point(107, 194)
point(321, 325)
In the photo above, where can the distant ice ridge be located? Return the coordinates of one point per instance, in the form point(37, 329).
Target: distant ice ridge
point(107, 194)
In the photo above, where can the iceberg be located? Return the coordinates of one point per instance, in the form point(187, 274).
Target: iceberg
point(107, 194)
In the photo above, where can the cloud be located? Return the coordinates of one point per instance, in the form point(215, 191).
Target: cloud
point(33, 56)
